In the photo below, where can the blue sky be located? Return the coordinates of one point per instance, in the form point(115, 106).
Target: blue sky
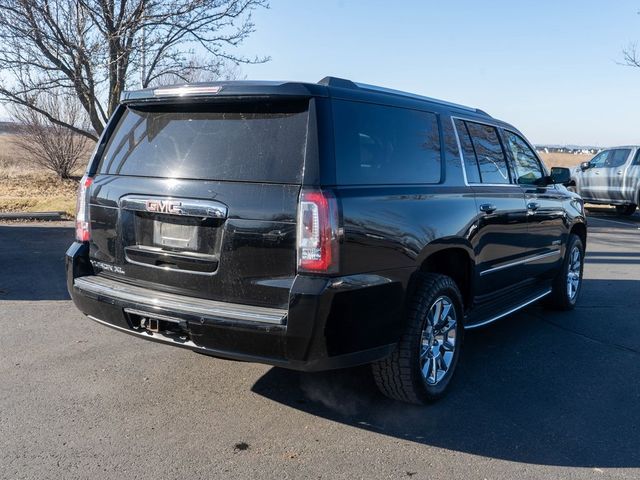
point(549, 67)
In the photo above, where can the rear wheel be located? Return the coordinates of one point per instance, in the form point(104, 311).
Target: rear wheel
point(626, 209)
point(421, 367)
point(568, 282)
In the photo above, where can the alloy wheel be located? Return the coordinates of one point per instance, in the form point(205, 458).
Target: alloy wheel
point(438, 340)
point(573, 272)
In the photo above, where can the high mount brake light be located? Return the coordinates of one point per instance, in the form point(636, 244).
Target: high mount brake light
point(185, 91)
point(317, 232)
point(83, 232)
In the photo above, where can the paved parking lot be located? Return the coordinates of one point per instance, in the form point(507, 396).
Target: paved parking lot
point(539, 395)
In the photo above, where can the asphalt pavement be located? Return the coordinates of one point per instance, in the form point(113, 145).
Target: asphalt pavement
point(539, 394)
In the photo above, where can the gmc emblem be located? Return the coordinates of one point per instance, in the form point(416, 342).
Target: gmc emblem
point(163, 206)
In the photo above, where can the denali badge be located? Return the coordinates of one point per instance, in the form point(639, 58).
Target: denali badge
point(163, 206)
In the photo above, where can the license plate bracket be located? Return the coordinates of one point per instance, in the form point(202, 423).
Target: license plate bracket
point(175, 235)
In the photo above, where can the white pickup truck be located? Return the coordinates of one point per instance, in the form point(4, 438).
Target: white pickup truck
point(612, 177)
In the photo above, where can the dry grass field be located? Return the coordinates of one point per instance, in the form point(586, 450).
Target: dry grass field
point(563, 159)
point(29, 188)
point(26, 187)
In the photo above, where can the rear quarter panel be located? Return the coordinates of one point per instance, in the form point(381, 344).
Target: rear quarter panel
point(387, 227)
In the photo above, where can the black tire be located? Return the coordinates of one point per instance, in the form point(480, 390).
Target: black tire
point(560, 298)
point(626, 210)
point(399, 376)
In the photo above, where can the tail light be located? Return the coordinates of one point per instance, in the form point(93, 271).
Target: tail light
point(317, 232)
point(83, 233)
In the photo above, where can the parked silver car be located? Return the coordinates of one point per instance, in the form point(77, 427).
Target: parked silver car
point(612, 177)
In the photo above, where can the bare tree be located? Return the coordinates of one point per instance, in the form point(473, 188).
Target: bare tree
point(50, 144)
point(193, 72)
point(95, 49)
point(631, 55)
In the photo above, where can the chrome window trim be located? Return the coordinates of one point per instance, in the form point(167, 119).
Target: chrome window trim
point(152, 299)
point(464, 171)
point(520, 262)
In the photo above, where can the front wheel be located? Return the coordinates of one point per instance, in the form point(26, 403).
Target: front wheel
point(626, 210)
point(423, 363)
point(568, 282)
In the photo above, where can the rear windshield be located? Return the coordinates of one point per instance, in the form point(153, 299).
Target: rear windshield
point(256, 142)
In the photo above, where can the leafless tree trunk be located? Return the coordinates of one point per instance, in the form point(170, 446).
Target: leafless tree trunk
point(52, 145)
point(95, 49)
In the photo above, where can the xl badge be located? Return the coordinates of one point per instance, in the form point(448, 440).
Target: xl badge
point(163, 206)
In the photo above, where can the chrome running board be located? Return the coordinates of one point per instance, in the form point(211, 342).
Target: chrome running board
point(508, 312)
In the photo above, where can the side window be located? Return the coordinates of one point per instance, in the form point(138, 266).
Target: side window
point(618, 157)
point(468, 153)
point(600, 159)
point(528, 168)
point(636, 160)
point(378, 145)
point(492, 162)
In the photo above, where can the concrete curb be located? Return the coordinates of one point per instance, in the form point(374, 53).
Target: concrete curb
point(52, 216)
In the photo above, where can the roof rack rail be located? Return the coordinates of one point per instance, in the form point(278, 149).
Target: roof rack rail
point(392, 91)
point(344, 83)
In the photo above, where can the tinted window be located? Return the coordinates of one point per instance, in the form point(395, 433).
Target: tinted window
point(617, 157)
point(250, 142)
point(528, 169)
point(468, 154)
point(611, 158)
point(385, 145)
point(491, 159)
point(636, 160)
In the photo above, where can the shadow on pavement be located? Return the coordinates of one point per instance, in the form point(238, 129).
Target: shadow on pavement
point(539, 387)
point(32, 262)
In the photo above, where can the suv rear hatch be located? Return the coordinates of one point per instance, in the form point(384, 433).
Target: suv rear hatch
point(200, 198)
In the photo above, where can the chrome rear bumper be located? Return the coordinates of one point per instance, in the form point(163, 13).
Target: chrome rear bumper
point(105, 289)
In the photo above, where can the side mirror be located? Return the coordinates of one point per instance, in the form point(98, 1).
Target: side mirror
point(585, 166)
point(560, 175)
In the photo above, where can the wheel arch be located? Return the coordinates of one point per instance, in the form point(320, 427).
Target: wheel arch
point(580, 229)
point(454, 258)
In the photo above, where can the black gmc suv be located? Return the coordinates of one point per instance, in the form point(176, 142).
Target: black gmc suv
point(319, 226)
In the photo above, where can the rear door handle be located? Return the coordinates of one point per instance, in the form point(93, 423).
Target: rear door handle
point(533, 206)
point(488, 208)
point(619, 172)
